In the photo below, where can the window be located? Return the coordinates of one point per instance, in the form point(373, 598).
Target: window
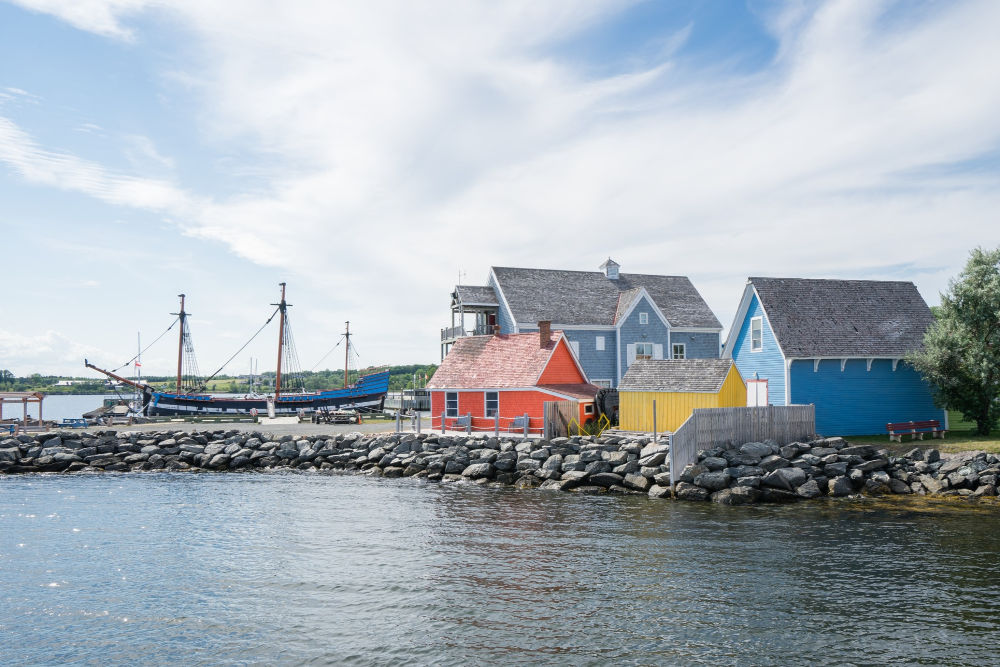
point(678, 351)
point(643, 351)
point(643, 318)
point(492, 403)
point(451, 404)
point(575, 344)
point(588, 409)
point(599, 342)
point(601, 383)
point(756, 334)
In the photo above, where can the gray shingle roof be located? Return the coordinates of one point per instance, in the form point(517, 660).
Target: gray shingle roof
point(476, 295)
point(588, 297)
point(844, 318)
point(676, 375)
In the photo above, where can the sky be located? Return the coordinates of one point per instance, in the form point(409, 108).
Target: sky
point(372, 154)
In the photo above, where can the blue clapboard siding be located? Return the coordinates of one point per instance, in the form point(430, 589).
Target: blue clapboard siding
point(768, 364)
point(857, 401)
point(697, 345)
point(504, 318)
point(632, 332)
point(597, 364)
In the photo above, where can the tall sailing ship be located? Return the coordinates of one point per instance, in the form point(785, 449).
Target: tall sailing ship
point(188, 399)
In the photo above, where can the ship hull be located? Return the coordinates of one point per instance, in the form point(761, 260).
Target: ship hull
point(368, 394)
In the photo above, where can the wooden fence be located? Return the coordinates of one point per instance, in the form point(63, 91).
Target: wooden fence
point(558, 415)
point(711, 427)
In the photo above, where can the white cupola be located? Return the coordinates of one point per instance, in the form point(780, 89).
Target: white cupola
point(610, 269)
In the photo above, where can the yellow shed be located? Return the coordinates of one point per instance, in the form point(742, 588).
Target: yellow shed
point(678, 386)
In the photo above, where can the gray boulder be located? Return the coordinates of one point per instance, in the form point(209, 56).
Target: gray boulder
point(785, 478)
point(840, 486)
point(809, 490)
point(686, 491)
point(713, 481)
point(755, 449)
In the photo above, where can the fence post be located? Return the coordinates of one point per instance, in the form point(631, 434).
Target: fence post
point(496, 424)
point(670, 458)
point(654, 420)
point(468, 426)
point(413, 421)
point(527, 421)
point(442, 423)
point(419, 420)
point(397, 422)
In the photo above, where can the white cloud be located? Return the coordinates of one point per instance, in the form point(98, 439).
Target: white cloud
point(48, 352)
point(404, 141)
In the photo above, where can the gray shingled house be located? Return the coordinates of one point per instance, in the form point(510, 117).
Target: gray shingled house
point(610, 318)
point(838, 344)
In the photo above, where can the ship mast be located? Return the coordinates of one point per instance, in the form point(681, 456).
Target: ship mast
point(281, 339)
point(347, 349)
point(180, 341)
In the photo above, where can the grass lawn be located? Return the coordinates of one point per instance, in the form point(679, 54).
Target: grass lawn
point(960, 438)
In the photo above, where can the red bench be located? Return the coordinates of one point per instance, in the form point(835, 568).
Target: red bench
point(915, 429)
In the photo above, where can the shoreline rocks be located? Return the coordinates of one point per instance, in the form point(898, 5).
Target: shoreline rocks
point(741, 474)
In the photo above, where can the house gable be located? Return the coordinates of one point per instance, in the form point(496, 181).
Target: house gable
point(766, 364)
point(562, 367)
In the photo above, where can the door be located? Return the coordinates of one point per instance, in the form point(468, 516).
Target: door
point(756, 393)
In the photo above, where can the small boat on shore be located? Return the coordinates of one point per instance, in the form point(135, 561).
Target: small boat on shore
point(365, 395)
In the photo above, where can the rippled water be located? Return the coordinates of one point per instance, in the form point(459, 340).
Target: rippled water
point(163, 568)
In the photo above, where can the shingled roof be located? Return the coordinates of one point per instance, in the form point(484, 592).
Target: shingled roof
point(588, 297)
point(474, 295)
point(844, 318)
point(503, 361)
point(676, 375)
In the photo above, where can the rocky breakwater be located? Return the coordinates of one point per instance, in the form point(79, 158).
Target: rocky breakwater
point(749, 473)
point(764, 472)
point(583, 464)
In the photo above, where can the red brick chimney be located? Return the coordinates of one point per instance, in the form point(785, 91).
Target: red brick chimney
point(544, 332)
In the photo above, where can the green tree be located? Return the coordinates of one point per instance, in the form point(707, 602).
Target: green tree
point(6, 378)
point(961, 353)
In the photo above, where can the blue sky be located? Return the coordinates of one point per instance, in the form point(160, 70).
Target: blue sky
point(367, 152)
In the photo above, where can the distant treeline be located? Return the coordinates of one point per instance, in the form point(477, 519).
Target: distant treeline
point(400, 377)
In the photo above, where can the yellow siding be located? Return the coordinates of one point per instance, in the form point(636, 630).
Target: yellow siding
point(635, 411)
point(734, 390)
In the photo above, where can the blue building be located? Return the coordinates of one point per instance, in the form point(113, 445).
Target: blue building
point(610, 318)
point(838, 344)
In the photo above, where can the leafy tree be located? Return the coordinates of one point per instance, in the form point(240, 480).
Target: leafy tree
point(961, 353)
point(6, 378)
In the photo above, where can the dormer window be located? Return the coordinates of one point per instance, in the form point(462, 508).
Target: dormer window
point(610, 269)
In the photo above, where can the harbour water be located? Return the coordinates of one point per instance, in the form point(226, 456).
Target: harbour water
point(286, 568)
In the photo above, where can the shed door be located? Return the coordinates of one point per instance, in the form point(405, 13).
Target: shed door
point(756, 393)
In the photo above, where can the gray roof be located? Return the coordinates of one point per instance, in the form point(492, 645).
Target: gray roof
point(588, 297)
point(476, 295)
point(676, 375)
point(844, 318)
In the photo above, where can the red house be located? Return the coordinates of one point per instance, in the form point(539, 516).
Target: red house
point(510, 375)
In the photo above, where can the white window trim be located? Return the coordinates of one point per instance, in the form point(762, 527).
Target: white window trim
point(637, 353)
point(597, 382)
point(486, 407)
point(673, 350)
point(447, 412)
point(760, 319)
point(575, 346)
point(599, 343)
point(643, 318)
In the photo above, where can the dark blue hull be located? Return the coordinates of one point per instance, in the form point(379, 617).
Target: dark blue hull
point(368, 394)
